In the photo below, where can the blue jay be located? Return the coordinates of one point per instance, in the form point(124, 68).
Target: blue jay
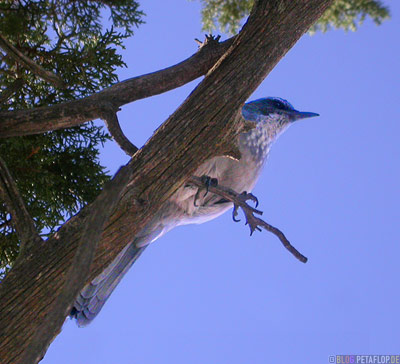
point(272, 116)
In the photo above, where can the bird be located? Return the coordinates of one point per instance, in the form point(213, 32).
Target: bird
point(272, 116)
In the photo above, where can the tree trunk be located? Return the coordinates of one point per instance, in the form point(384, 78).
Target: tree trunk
point(174, 152)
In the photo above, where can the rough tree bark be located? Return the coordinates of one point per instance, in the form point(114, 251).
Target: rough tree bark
point(167, 160)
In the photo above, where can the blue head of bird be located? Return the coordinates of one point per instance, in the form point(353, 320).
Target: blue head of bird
point(273, 115)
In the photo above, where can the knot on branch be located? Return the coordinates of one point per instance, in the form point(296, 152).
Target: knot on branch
point(209, 41)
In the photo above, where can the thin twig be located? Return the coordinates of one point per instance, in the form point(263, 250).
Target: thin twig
point(79, 269)
point(111, 120)
point(11, 90)
point(22, 221)
point(239, 200)
point(19, 57)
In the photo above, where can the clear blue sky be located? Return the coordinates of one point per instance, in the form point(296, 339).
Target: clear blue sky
point(210, 293)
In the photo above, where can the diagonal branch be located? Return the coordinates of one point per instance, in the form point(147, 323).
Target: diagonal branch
point(76, 112)
point(111, 120)
point(240, 200)
point(79, 269)
point(22, 221)
point(19, 57)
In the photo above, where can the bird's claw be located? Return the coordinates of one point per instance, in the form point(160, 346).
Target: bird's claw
point(207, 181)
point(244, 197)
point(235, 213)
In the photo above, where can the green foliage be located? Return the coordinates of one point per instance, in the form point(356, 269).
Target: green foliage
point(58, 172)
point(228, 15)
point(348, 14)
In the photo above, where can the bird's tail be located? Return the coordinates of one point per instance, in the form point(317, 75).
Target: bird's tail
point(92, 298)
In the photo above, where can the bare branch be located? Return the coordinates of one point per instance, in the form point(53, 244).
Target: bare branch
point(111, 119)
point(240, 200)
point(73, 113)
point(11, 90)
point(22, 221)
point(19, 57)
point(79, 269)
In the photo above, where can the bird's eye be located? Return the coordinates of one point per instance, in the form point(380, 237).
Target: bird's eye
point(279, 104)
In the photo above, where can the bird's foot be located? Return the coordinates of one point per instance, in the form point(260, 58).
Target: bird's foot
point(255, 223)
point(207, 182)
point(251, 220)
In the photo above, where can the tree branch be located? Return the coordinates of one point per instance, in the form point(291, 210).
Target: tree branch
point(79, 269)
point(73, 113)
point(254, 222)
point(111, 120)
point(22, 221)
point(39, 71)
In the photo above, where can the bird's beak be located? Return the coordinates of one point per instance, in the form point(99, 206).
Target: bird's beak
point(297, 115)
